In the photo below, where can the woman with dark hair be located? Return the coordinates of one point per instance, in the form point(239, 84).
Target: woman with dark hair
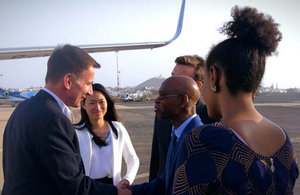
point(245, 153)
point(103, 140)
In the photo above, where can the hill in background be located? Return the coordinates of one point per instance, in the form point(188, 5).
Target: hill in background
point(151, 83)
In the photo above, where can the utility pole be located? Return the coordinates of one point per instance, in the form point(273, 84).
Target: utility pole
point(118, 72)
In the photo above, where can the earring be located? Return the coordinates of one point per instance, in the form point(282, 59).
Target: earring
point(214, 88)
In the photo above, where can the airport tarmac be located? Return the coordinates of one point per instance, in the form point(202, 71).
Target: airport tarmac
point(138, 118)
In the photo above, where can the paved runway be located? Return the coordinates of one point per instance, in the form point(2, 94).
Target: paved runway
point(138, 119)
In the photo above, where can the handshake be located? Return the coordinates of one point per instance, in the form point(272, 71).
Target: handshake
point(124, 187)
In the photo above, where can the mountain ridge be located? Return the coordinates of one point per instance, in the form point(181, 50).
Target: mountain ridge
point(154, 82)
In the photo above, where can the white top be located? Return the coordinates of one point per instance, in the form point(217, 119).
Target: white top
point(98, 154)
point(121, 146)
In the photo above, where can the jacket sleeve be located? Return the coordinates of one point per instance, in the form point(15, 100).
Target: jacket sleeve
point(154, 161)
point(156, 186)
point(131, 159)
point(59, 154)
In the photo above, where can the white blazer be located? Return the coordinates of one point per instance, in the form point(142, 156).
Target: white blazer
point(121, 146)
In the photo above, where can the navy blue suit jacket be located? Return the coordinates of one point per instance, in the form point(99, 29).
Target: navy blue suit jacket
point(161, 140)
point(41, 152)
point(164, 183)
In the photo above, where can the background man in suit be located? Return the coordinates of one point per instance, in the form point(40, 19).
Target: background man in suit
point(191, 66)
point(40, 147)
point(176, 101)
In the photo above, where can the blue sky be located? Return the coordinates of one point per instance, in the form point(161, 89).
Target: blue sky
point(48, 23)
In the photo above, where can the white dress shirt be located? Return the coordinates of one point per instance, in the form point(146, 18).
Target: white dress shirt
point(179, 130)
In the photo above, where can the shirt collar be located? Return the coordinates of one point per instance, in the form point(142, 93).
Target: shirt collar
point(61, 104)
point(180, 129)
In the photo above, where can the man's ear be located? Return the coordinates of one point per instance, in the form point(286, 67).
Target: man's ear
point(68, 79)
point(184, 101)
point(200, 84)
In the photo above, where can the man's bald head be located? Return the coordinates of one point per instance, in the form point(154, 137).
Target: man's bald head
point(182, 85)
point(177, 99)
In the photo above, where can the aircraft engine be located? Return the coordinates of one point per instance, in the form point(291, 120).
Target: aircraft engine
point(5, 94)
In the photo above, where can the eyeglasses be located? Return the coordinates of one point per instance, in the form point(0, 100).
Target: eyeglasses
point(164, 96)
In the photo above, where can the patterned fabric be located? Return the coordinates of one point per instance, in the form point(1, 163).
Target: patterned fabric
point(213, 160)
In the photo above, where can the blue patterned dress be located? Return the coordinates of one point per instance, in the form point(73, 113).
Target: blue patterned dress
point(214, 160)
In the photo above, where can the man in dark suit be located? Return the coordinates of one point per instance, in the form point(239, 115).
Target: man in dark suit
point(40, 147)
point(191, 66)
point(176, 101)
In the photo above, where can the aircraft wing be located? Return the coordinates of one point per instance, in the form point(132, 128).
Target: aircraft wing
point(15, 95)
point(11, 99)
point(29, 52)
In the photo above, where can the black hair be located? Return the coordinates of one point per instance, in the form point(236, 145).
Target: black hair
point(111, 115)
point(252, 37)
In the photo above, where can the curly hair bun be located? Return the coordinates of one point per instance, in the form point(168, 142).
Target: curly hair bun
point(255, 29)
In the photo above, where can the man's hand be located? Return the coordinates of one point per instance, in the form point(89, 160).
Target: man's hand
point(124, 181)
point(124, 187)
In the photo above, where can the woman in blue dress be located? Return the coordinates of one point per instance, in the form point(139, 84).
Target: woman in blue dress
point(245, 153)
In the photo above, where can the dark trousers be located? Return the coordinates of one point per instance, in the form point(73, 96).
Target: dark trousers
point(106, 180)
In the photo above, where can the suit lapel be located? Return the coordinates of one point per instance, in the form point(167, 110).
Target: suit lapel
point(194, 123)
point(170, 164)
